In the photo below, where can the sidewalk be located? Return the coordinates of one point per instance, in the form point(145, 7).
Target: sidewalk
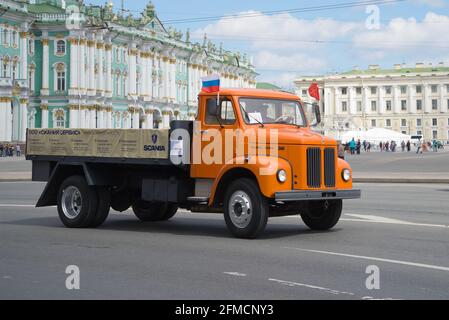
point(401, 177)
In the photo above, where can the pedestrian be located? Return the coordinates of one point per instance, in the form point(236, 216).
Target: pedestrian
point(358, 147)
point(18, 150)
point(381, 146)
point(1, 150)
point(368, 148)
point(409, 146)
point(403, 146)
point(365, 145)
point(387, 146)
point(352, 146)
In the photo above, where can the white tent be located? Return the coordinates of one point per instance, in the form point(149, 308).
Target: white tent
point(375, 136)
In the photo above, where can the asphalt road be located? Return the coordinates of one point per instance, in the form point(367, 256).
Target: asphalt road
point(401, 229)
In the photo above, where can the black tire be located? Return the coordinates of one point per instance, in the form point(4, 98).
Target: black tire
point(104, 206)
point(88, 202)
point(251, 224)
point(158, 211)
point(322, 215)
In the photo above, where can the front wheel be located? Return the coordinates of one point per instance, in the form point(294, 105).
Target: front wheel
point(148, 211)
point(246, 210)
point(322, 215)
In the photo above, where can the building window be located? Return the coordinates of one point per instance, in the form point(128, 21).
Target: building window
point(434, 122)
point(344, 106)
point(418, 122)
point(60, 47)
point(5, 67)
point(31, 47)
point(60, 77)
point(344, 91)
point(59, 118)
point(15, 38)
point(419, 105)
point(373, 90)
point(373, 123)
point(304, 93)
point(14, 70)
point(31, 74)
point(404, 105)
point(359, 106)
point(388, 90)
point(434, 104)
point(5, 37)
point(435, 134)
point(403, 90)
point(373, 106)
point(388, 123)
point(434, 88)
point(388, 104)
point(418, 89)
point(447, 88)
point(358, 90)
point(403, 122)
point(419, 133)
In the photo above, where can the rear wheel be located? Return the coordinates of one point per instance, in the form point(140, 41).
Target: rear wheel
point(77, 203)
point(103, 208)
point(246, 210)
point(154, 211)
point(322, 215)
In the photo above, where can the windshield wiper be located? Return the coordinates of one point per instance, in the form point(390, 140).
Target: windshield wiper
point(248, 116)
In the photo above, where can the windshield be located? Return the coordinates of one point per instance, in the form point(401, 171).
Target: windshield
point(269, 111)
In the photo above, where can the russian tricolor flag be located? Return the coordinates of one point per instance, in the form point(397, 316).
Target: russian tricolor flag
point(211, 83)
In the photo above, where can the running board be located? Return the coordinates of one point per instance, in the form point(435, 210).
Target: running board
point(198, 199)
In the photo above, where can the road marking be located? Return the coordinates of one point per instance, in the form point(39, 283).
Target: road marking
point(407, 263)
point(309, 286)
point(235, 274)
point(378, 219)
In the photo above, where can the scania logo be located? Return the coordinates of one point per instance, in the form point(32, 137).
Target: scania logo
point(154, 138)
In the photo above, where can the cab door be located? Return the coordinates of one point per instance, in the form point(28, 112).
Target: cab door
point(216, 119)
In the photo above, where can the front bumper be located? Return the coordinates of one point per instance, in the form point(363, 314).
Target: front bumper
point(293, 196)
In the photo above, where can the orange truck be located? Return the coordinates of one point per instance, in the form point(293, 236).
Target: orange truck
point(250, 155)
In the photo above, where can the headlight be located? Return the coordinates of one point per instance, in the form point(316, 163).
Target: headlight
point(282, 176)
point(346, 175)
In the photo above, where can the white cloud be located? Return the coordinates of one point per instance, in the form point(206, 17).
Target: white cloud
point(432, 3)
point(408, 34)
point(283, 42)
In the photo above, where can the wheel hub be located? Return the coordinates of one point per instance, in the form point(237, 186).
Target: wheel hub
point(240, 208)
point(71, 202)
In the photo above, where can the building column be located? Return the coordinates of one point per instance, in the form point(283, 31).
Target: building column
point(166, 79)
point(173, 97)
point(382, 108)
point(411, 102)
point(45, 91)
point(100, 74)
point(23, 119)
point(352, 101)
point(24, 55)
point(149, 119)
point(82, 66)
point(44, 116)
point(93, 116)
point(108, 57)
point(443, 102)
point(73, 115)
point(82, 117)
point(427, 99)
point(74, 66)
point(91, 68)
point(165, 120)
point(396, 100)
point(3, 120)
point(109, 117)
point(132, 72)
point(100, 117)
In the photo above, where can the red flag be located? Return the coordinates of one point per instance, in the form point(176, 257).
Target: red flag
point(314, 91)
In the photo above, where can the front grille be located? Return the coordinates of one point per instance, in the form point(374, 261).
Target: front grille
point(314, 167)
point(329, 167)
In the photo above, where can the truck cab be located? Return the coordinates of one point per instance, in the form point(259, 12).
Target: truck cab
point(249, 155)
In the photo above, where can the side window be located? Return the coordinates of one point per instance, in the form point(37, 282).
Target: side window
point(225, 112)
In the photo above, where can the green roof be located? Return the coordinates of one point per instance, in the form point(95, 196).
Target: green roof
point(397, 71)
point(44, 8)
point(267, 86)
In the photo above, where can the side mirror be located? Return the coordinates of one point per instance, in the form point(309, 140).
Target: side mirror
point(317, 112)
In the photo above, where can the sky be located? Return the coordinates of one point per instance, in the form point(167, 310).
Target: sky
point(297, 43)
